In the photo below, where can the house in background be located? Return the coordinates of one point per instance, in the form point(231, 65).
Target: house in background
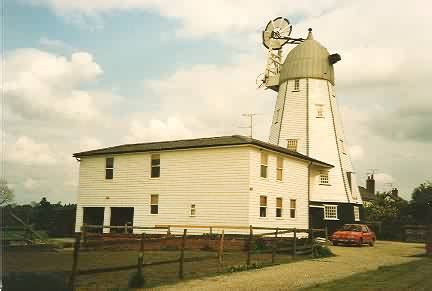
point(368, 194)
point(228, 180)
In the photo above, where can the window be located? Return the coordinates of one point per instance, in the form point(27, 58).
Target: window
point(279, 168)
point(154, 204)
point(192, 210)
point(356, 213)
point(330, 212)
point(109, 168)
point(319, 111)
point(264, 164)
point(279, 207)
point(342, 146)
point(263, 206)
point(292, 145)
point(297, 85)
point(349, 177)
point(276, 119)
point(324, 178)
point(155, 166)
point(293, 206)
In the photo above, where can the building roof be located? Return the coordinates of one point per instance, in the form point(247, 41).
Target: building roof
point(309, 59)
point(366, 195)
point(233, 140)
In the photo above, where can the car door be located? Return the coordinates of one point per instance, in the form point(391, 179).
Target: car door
point(367, 237)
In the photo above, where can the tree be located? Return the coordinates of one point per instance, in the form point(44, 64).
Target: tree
point(421, 203)
point(6, 194)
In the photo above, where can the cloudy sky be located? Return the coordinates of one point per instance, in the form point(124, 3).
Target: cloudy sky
point(85, 74)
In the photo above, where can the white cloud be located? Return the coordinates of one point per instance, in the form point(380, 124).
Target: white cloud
point(357, 152)
point(89, 143)
point(27, 151)
point(30, 184)
point(53, 43)
point(39, 85)
point(157, 130)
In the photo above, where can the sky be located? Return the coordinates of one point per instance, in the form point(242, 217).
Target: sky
point(79, 75)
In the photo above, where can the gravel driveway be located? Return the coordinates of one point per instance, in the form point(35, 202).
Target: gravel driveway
point(348, 261)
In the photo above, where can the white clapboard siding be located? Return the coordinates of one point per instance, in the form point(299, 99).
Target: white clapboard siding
point(216, 180)
point(292, 186)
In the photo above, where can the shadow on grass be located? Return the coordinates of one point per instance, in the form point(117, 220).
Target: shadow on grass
point(416, 275)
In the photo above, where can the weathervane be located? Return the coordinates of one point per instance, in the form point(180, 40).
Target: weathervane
point(275, 35)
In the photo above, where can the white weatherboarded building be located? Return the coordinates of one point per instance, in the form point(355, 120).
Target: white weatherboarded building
point(229, 180)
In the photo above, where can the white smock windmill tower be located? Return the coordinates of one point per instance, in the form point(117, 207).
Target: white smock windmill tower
point(306, 119)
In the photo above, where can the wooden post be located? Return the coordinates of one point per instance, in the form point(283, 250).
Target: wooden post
point(221, 249)
point(181, 261)
point(211, 231)
point(294, 249)
point(141, 256)
point(126, 228)
point(274, 249)
point(84, 234)
point(75, 261)
point(249, 249)
point(326, 232)
point(169, 230)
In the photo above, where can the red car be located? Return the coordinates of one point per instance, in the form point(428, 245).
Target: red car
point(357, 234)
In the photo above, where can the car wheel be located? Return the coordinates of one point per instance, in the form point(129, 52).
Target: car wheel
point(372, 242)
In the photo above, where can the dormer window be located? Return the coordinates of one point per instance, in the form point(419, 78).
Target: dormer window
point(296, 85)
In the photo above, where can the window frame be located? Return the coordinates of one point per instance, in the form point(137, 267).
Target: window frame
point(319, 110)
point(155, 166)
point(296, 85)
point(192, 210)
point(331, 206)
point(279, 168)
point(279, 209)
point(323, 180)
point(109, 168)
point(264, 166)
point(154, 204)
point(356, 210)
point(292, 141)
point(263, 208)
point(293, 210)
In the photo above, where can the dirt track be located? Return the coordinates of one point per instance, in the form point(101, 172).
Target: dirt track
point(348, 261)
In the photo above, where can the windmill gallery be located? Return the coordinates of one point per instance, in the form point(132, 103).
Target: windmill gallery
point(302, 177)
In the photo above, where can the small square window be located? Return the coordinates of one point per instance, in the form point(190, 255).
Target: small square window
point(330, 212)
point(324, 179)
point(263, 206)
point(154, 204)
point(292, 144)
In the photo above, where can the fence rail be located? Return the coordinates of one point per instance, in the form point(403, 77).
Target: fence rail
point(278, 245)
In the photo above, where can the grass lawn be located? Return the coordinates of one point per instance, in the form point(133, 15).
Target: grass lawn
point(416, 275)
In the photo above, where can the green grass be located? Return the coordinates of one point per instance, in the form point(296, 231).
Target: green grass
point(416, 275)
point(19, 234)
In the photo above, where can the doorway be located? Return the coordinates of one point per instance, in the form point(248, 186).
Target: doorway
point(120, 216)
point(93, 216)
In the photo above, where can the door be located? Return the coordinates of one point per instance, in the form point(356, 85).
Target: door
point(120, 216)
point(93, 216)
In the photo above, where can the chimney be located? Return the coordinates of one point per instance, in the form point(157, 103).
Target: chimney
point(395, 192)
point(370, 184)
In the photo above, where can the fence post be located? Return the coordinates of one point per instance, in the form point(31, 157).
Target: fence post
point(169, 230)
point(141, 256)
point(294, 250)
point(221, 249)
point(126, 228)
point(84, 234)
point(181, 275)
point(211, 231)
point(326, 232)
point(274, 249)
point(75, 261)
point(249, 249)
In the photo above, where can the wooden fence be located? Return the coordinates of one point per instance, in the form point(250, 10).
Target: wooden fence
point(278, 243)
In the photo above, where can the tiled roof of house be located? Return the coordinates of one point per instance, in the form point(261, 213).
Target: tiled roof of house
point(233, 140)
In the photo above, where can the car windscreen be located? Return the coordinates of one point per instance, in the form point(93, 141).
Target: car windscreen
point(350, 227)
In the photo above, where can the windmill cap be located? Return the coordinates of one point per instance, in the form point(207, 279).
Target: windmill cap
point(308, 59)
